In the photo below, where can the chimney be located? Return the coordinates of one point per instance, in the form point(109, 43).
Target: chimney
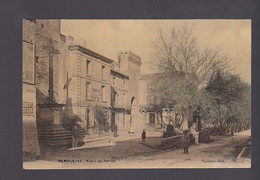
point(69, 40)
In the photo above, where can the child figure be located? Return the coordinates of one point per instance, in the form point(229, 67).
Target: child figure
point(143, 136)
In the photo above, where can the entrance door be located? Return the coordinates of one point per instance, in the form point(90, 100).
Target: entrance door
point(151, 118)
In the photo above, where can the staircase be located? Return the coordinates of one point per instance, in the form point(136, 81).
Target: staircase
point(56, 137)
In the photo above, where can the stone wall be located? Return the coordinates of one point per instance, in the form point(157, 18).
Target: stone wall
point(174, 142)
point(30, 137)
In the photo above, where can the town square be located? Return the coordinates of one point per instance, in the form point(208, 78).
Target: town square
point(118, 94)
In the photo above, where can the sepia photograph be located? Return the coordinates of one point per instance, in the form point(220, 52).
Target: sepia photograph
point(136, 93)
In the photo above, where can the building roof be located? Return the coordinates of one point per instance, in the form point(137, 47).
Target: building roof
point(117, 73)
point(90, 53)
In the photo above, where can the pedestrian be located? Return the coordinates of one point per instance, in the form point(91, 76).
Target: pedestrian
point(114, 128)
point(75, 134)
point(195, 133)
point(185, 141)
point(143, 136)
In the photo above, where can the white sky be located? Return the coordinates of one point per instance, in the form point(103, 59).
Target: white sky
point(109, 37)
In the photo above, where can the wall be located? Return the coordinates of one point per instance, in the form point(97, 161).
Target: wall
point(79, 77)
point(129, 64)
point(30, 137)
point(143, 93)
point(119, 83)
point(121, 91)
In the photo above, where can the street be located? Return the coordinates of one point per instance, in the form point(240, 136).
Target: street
point(132, 153)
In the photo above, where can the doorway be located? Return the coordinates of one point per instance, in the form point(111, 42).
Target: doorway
point(152, 118)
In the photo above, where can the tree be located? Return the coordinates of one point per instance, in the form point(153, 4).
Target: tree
point(230, 100)
point(184, 67)
point(180, 52)
point(177, 90)
point(227, 88)
point(100, 115)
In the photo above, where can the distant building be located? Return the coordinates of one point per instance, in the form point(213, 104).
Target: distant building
point(151, 114)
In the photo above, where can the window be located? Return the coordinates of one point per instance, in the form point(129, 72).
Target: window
point(87, 117)
point(116, 98)
point(123, 84)
point(103, 98)
point(88, 67)
point(88, 91)
point(123, 120)
point(124, 99)
point(114, 80)
point(103, 72)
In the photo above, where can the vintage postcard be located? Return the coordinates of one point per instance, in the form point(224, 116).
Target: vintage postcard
point(124, 94)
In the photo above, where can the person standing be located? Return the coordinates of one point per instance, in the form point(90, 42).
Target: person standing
point(185, 141)
point(114, 129)
point(143, 136)
point(195, 133)
point(74, 133)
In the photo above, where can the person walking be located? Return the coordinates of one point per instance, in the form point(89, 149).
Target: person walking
point(74, 133)
point(185, 142)
point(143, 136)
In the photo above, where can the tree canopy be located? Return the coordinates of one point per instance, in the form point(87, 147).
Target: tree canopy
point(184, 66)
point(230, 99)
point(179, 51)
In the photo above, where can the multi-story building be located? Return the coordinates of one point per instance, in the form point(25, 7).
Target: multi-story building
point(119, 93)
point(89, 87)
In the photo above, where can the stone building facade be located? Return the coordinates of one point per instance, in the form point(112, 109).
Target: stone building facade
point(89, 75)
point(130, 64)
point(119, 93)
point(30, 136)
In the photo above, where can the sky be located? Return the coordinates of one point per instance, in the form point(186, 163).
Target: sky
point(109, 37)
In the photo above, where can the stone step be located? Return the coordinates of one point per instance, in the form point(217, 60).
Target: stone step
point(98, 143)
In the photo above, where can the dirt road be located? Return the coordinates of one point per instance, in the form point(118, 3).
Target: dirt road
point(220, 153)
